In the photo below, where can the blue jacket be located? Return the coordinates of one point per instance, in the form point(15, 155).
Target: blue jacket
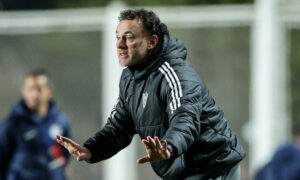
point(28, 148)
point(285, 165)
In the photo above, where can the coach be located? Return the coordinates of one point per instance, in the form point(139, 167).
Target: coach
point(165, 102)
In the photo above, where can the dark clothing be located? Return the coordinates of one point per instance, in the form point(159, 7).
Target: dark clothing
point(167, 98)
point(233, 174)
point(28, 148)
point(285, 165)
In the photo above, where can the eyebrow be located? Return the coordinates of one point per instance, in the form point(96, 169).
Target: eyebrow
point(127, 32)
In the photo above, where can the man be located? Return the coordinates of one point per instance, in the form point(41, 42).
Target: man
point(28, 147)
point(163, 99)
point(285, 164)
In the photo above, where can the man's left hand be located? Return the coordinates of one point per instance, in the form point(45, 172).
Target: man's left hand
point(156, 150)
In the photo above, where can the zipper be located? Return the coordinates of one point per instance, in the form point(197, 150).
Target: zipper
point(133, 104)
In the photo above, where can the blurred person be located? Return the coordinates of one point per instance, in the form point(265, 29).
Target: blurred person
point(285, 164)
point(163, 99)
point(28, 147)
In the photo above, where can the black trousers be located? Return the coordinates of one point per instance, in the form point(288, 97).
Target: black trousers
point(233, 174)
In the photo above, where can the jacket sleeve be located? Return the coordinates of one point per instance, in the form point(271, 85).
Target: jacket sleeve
point(7, 144)
point(182, 93)
point(116, 134)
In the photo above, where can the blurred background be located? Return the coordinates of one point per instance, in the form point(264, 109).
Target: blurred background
point(246, 51)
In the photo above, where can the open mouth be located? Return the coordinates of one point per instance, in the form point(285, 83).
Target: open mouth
point(123, 54)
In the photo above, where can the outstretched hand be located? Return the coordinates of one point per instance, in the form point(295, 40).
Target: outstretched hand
point(81, 153)
point(156, 150)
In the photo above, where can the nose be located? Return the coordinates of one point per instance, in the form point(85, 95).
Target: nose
point(121, 43)
point(35, 94)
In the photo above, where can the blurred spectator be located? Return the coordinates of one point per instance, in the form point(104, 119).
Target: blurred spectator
point(285, 165)
point(28, 148)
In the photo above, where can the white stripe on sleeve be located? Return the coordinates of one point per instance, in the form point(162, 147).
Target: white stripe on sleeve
point(174, 84)
point(172, 89)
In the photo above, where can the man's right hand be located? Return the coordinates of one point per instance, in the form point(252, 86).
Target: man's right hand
point(81, 153)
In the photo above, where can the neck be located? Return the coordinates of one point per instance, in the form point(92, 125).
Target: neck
point(42, 110)
point(141, 65)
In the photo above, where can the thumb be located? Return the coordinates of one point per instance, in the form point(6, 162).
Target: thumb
point(82, 157)
point(79, 157)
point(143, 160)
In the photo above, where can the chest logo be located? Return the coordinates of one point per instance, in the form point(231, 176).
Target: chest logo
point(30, 134)
point(55, 129)
point(145, 97)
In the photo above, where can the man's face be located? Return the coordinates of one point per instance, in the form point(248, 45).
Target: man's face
point(36, 91)
point(132, 43)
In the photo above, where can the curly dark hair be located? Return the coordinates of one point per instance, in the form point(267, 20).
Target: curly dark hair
point(149, 19)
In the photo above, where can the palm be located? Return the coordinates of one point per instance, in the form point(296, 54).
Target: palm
point(81, 153)
point(156, 150)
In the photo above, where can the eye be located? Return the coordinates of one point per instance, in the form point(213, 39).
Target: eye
point(117, 37)
point(130, 36)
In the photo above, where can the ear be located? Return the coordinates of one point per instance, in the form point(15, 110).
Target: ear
point(152, 42)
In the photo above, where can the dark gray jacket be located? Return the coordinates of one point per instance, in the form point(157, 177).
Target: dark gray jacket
point(167, 98)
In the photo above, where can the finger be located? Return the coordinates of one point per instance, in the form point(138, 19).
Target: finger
point(143, 160)
point(72, 148)
point(84, 154)
point(77, 153)
point(57, 136)
point(61, 143)
point(157, 142)
point(80, 157)
point(146, 144)
point(164, 144)
point(67, 146)
point(65, 139)
point(68, 143)
point(72, 151)
point(151, 142)
point(58, 139)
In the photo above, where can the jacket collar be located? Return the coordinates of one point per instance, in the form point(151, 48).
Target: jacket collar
point(168, 48)
point(21, 110)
